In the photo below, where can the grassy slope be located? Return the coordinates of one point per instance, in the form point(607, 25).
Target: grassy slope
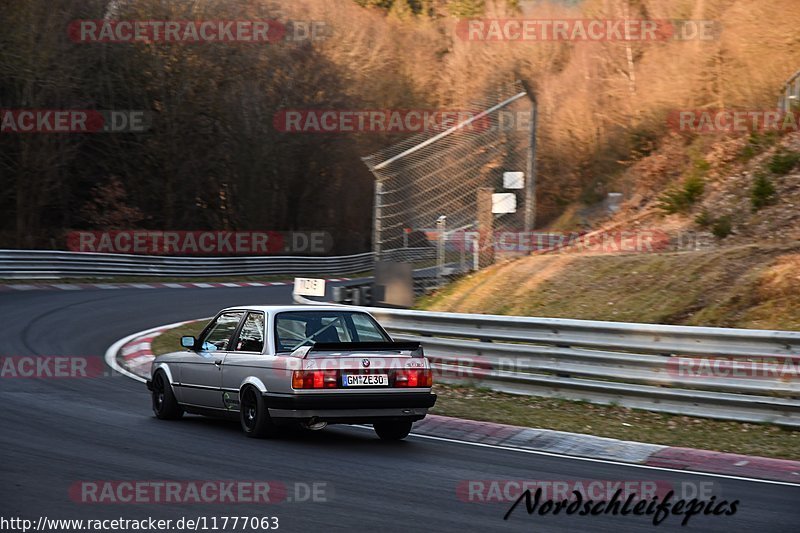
point(754, 286)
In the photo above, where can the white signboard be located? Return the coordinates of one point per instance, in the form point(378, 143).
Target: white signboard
point(504, 203)
point(513, 180)
point(309, 287)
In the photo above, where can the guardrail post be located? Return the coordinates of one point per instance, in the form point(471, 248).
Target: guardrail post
point(441, 227)
point(338, 294)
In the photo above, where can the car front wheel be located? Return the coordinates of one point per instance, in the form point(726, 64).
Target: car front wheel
point(165, 405)
point(254, 415)
point(392, 430)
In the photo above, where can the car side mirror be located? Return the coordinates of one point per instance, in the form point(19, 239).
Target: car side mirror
point(188, 342)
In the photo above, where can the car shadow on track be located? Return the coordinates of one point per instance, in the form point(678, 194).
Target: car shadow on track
point(344, 436)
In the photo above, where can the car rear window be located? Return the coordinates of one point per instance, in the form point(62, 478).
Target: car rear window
point(294, 329)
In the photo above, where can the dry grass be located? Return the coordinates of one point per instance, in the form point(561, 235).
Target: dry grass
point(170, 340)
point(618, 422)
point(744, 286)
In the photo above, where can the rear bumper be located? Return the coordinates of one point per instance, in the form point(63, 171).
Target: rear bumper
point(341, 408)
point(322, 402)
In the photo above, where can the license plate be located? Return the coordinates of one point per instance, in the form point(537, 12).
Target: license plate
point(365, 380)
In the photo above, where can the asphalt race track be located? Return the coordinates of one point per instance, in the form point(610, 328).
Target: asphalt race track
point(56, 432)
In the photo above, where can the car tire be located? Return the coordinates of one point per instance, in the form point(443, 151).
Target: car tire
point(392, 430)
point(165, 405)
point(254, 415)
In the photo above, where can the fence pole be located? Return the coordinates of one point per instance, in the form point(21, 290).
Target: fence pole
point(441, 228)
point(485, 226)
point(476, 252)
point(530, 182)
point(377, 215)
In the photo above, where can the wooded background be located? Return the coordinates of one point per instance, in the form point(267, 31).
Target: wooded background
point(213, 160)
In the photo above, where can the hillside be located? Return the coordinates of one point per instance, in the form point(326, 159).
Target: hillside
point(742, 268)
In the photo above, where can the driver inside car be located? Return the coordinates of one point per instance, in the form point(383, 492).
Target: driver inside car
point(319, 333)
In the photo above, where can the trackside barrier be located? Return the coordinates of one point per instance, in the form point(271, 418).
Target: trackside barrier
point(37, 264)
point(646, 366)
point(23, 264)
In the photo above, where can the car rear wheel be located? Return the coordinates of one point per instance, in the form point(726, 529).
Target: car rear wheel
point(392, 430)
point(165, 405)
point(254, 415)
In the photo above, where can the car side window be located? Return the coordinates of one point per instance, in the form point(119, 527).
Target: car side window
point(289, 332)
point(251, 338)
point(220, 334)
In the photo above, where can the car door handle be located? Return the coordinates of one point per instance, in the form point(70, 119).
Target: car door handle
point(218, 362)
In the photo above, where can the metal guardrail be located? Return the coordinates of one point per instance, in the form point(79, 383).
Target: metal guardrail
point(633, 365)
point(36, 264)
point(23, 264)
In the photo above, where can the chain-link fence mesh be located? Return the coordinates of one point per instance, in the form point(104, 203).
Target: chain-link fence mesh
point(441, 183)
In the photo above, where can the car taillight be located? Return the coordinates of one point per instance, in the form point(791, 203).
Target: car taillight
point(413, 378)
point(315, 379)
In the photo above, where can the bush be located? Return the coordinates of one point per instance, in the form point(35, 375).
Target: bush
point(679, 200)
point(783, 162)
point(722, 227)
point(762, 193)
point(704, 219)
point(672, 201)
point(701, 166)
point(757, 143)
point(693, 188)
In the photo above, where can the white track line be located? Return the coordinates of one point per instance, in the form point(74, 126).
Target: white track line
point(111, 353)
point(606, 461)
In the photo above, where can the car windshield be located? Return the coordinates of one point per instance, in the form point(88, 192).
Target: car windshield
point(302, 328)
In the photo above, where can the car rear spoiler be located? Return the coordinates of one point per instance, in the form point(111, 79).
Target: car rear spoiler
point(414, 347)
